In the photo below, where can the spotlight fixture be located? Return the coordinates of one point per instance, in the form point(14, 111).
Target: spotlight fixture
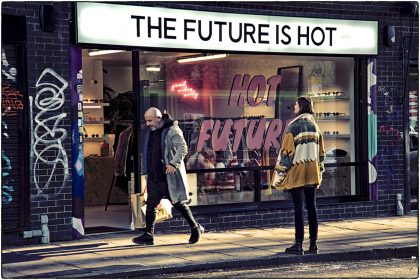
point(153, 68)
point(102, 52)
point(201, 57)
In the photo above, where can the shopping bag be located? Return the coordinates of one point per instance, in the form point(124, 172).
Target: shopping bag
point(137, 201)
point(164, 210)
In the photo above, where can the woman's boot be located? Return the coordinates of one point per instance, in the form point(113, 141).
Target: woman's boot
point(295, 249)
point(313, 249)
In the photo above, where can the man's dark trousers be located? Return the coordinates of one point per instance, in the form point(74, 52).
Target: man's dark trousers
point(157, 189)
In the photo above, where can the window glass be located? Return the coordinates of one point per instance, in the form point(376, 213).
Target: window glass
point(234, 112)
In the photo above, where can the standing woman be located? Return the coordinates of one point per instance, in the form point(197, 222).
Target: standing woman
point(299, 169)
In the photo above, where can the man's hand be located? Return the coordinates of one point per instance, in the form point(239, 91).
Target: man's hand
point(170, 169)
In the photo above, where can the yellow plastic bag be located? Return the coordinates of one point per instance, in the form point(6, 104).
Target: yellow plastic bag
point(164, 210)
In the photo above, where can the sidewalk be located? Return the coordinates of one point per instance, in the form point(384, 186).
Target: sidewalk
point(114, 255)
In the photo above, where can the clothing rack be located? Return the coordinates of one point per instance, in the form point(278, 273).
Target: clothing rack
point(109, 194)
point(128, 123)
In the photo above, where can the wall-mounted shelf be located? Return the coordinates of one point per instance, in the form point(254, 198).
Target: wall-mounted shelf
point(97, 122)
point(328, 98)
point(332, 118)
point(336, 136)
point(91, 105)
point(94, 139)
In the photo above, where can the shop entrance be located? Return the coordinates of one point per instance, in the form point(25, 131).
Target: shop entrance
point(109, 104)
point(108, 114)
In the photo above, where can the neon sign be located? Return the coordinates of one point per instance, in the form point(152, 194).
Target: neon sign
point(184, 90)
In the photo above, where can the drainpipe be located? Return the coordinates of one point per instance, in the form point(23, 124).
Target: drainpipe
point(44, 232)
point(400, 208)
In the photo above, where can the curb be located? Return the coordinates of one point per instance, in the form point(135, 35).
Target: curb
point(371, 254)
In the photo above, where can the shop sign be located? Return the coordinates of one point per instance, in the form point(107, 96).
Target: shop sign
point(125, 25)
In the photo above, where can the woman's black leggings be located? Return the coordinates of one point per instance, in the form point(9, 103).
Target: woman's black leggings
point(308, 194)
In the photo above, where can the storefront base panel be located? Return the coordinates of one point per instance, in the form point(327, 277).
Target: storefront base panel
point(277, 217)
point(16, 239)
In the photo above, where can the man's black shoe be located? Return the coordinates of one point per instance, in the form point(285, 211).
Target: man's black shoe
point(196, 234)
point(144, 239)
point(295, 249)
point(313, 249)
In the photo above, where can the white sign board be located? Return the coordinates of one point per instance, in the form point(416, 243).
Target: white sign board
point(125, 25)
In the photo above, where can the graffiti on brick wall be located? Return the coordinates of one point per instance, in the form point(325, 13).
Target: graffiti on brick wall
point(11, 98)
point(48, 134)
point(390, 151)
point(6, 169)
point(389, 130)
point(393, 110)
point(7, 71)
point(11, 101)
point(387, 93)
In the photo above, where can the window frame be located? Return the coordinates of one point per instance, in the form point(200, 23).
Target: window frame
point(361, 141)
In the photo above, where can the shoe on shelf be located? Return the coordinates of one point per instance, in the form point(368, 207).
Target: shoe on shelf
point(295, 249)
point(196, 233)
point(313, 249)
point(144, 239)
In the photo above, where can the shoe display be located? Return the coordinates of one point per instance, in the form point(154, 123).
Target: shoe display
point(144, 239)
point(295, 249)
point(196, 234)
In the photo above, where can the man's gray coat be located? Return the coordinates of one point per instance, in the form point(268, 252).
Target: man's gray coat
point(174, 149)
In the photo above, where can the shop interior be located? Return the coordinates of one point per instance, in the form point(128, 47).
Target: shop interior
point(108, 120)
point(105, 76)
point(192, 92)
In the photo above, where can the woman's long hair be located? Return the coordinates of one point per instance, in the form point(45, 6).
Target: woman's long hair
point(306, 105)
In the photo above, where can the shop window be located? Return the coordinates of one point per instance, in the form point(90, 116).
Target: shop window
point(234, 112)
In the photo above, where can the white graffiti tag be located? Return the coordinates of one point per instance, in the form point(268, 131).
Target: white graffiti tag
point(9, 72)
point(48, 153)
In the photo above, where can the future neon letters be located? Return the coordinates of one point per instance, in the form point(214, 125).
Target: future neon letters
point(260, 133)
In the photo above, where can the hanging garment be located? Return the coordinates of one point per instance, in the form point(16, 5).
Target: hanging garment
point(122, 152)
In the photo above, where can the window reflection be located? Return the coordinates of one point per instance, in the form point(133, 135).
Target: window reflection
point(234, 112)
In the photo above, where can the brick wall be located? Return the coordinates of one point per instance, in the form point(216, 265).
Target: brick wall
point(51, 50)
point(50, 184)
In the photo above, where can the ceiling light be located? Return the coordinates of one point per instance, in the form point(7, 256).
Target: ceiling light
point(102, 52)
point(92, 106)
point(153, 68)
point(186, 59)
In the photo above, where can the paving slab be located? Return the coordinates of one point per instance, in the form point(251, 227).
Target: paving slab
point(38, 267)
point(6, 273)
point(202, 256)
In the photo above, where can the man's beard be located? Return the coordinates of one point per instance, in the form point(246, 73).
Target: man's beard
point(157, 126)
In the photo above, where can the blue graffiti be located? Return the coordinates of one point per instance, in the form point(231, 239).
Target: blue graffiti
point(7, 189)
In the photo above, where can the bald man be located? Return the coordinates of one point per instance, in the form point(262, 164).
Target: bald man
point(163, 161)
